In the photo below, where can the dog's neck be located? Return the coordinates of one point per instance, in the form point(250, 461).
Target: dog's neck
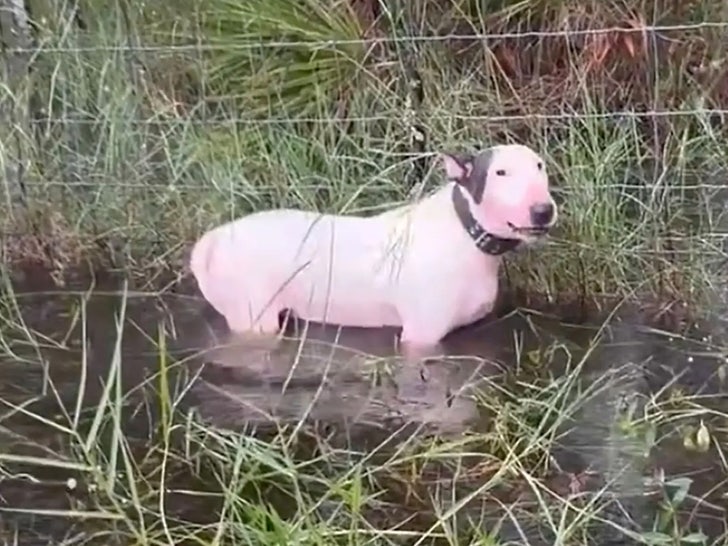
point(486, 242)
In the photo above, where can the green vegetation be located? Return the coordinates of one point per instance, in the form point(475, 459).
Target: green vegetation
point(157, 121)
point(141, 467)
point(152, 125)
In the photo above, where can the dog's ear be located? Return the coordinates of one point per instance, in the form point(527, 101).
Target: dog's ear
point(457, 166)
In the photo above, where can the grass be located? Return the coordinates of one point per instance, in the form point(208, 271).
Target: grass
point(133, 151)
point(132, 155)
point(139, 466)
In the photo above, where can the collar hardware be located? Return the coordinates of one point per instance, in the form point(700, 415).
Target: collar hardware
point(486, 242)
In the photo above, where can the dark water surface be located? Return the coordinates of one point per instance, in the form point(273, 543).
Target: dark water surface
point(57, 342)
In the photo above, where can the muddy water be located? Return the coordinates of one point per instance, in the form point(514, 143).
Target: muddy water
point(57, 343)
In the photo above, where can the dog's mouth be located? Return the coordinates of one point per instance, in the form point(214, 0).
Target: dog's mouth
point(534, 231)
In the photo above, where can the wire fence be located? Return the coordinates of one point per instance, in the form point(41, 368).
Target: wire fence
point(566, 116)
point(103, 118)
point(569, 34)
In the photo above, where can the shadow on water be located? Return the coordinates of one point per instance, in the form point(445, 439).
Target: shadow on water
point(349, 386)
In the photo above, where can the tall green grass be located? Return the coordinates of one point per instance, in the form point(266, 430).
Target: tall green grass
point(138, 145)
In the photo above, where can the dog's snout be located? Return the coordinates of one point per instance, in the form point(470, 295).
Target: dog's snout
point(542, 214)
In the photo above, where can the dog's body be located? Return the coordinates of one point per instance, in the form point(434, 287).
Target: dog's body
point(415, 267)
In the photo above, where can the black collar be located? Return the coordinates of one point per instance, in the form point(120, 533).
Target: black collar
point(486, 242)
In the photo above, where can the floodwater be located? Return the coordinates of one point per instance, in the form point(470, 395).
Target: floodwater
point(353, 384)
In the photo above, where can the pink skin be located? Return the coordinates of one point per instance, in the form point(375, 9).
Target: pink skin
point(412, 267)
point(508, 197)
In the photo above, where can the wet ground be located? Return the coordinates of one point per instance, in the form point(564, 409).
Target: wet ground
point(352, 384)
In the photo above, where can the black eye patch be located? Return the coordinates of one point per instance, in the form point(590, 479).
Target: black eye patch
point(500, 172)
point(540, 166)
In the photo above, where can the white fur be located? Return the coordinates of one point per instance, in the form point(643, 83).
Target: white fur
point(413, 267)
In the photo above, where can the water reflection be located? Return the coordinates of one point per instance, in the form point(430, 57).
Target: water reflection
point(352, 380)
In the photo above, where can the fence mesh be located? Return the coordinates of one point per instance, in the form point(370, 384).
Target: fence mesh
point(149, 126)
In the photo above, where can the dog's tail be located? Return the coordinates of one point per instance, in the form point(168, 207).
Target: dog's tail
point(200, 261)
point(199, 256)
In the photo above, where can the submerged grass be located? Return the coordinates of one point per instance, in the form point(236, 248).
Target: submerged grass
point(139, 466)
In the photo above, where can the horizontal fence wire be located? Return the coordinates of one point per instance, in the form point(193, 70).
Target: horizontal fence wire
point(566, 116)
point(255, 44)
point(106, 183)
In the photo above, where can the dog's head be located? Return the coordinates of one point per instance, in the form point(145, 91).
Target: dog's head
point(508, 190)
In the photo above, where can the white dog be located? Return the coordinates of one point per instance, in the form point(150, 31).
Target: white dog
point(427, 267)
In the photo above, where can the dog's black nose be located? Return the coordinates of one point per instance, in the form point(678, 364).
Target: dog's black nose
point(542, 214)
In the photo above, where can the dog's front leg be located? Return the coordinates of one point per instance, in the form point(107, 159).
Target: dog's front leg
point(414, 351)
point(415, 380)
point(417, 345)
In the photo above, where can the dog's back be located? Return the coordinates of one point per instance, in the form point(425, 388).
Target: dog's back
point(323, 267)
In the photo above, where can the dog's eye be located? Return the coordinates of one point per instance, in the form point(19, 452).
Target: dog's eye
point(500, 172)
point(540, 166)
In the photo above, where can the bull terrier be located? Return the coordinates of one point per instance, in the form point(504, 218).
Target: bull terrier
point(427, 267)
